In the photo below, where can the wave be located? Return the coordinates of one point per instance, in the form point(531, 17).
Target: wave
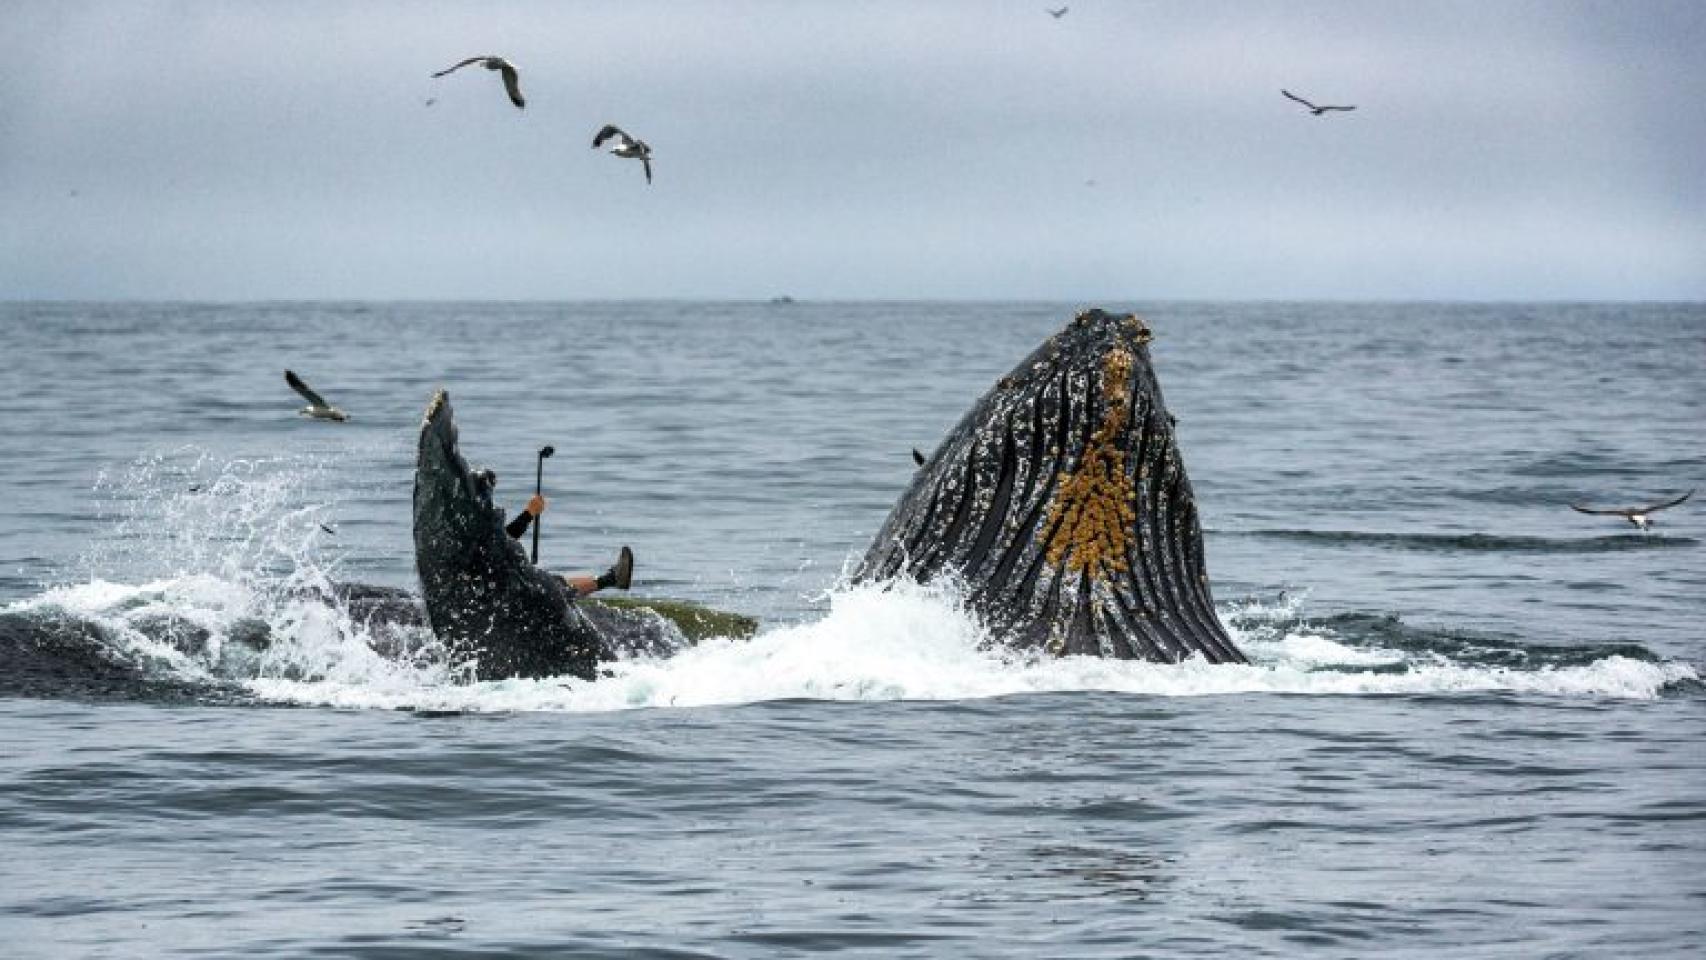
point(875, 643)
point(242, 604)
point(1473, 542)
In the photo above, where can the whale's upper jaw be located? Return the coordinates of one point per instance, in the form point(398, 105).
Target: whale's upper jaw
point(439, 454)
point(452, 507)
point(488, 605)
point(1060, 500)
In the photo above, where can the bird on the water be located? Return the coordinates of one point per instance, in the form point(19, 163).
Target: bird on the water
point(1635, 515)
point(1057, 14)
point(1312, 107)
point(512, 79)
point(917, 457)
point(624, 146)
point(317, 408)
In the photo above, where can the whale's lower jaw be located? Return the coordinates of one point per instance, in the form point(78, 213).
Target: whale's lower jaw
point(1061, 505)
point(497, 614)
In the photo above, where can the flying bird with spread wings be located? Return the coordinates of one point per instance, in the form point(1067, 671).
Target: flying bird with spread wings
point(624, 146)
point(512, 79)
point(317, 408)
point(1635, 515)
point(1312, 107)
point(1057, 14)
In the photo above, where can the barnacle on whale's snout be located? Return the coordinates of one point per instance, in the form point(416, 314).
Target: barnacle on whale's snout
point(1092, 514)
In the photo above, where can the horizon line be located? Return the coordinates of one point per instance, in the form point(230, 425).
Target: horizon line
point(807, 301)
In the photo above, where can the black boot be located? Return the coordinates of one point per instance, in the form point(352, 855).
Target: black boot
point(621, 575)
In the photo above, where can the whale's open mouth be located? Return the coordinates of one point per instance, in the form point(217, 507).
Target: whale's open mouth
point(1061, 501)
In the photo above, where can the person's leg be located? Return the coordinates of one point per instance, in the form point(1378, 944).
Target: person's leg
point(619, 576)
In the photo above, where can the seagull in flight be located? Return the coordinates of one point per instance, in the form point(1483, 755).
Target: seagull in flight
point(512, 80)
point(317, 407)
point(1057, 14)
point(1312, 107)
point(1635, 515)
point(624, 146)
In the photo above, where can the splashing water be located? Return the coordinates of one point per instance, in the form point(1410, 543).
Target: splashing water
point(904, 642)
point(230, 576)
point(237, 589)
point(246, 520)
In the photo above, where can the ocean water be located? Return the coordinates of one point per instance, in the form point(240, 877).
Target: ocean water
point(1473, 724)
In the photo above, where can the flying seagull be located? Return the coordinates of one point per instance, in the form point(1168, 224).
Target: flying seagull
point(512, 80)
point(317, 407)
point(1057, 14)
point(625, 146)
point(1635, 515)
point(1312, 107)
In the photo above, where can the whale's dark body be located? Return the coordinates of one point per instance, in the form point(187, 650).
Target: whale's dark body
point(1061, 503)
point(487, 604)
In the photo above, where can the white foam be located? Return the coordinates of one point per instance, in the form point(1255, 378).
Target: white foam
point(902, 643)
point(245, 550)
point(914, 643)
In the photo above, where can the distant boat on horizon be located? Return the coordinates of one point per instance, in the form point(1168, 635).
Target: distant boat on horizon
point(782, 300)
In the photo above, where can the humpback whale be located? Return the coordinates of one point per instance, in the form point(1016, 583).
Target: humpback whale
point(486, 603)
point(1061, 504)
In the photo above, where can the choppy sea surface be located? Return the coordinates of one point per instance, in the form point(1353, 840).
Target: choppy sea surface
point(1473, 725)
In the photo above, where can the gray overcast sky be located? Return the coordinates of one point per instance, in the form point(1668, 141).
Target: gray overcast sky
point(1502, 150)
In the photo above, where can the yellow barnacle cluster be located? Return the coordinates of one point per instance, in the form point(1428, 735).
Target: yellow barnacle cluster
point(1139, 331)
point(1092, 513)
